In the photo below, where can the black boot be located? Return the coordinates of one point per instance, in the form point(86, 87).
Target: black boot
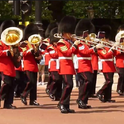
point(23, 99)
point(62, 108)
point(34, 103)
point(9, 107)
point(82, 105)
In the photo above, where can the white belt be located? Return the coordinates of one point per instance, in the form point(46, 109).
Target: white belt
point(80, 58)
point(70, 58)
point(103, 60)
point(22, 63)
point(86, 58)
point(46, 53)
point(57, 63)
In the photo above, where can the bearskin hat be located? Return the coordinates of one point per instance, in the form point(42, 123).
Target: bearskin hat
point(22, 27)
point(67, 25)
point(49, 28)
point(7, 24)
point(107, 30)
point(84, 25)
point(121, 27)
point(30, 30)
point(52, 38)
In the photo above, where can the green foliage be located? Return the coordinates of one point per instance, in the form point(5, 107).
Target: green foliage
point(7, 13)
point(46, 13)
point(5, 10)
point(102, 9)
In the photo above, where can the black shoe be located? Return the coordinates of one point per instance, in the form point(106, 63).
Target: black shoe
point(51, 96)
point(9, 107)
point(93, 96)
point(47, 91)
point(111, 101)
point(34, 103)
point(120, 92)
point(23, 99)
point(71, 111)
point(84, 107)
point(63, 109)
point(81, 104)
point(101, 97)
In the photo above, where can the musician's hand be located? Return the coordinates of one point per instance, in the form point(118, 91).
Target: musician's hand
point(77, 42)
point(38, 58)
point(98, 46)
point(116, 44)
point(19, 59)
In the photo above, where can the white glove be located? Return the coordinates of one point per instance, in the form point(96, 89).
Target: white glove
point(116, 44)
point(77, 42)
point(98, 46)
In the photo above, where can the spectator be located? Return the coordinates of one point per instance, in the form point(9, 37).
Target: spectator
point(41, 72)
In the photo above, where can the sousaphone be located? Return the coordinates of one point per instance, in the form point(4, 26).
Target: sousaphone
point(11, 37)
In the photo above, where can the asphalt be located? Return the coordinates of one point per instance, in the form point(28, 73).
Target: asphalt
point(48, 113)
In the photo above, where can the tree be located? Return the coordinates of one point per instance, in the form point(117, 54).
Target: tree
point(6, 11)
point(102, 9)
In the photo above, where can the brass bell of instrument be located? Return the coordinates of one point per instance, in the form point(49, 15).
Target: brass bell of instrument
point(11, 36)
point(35, 39)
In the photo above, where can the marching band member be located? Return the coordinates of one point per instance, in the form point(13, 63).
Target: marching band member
point(66, 48)
point(94, 62)
point(120, 66)
point(85, 72)
point(56, 84)
point(46, 54)
point(30, 64)
point(20, 79)
point(108, 68)
point(9, 36)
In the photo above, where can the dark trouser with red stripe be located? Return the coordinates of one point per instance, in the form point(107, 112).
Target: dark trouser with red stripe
point(67, 81)
point(93, 87)
point(56, 85)
point(120, 85)
point(0, 79)
point(20, 82)
point(107, 87)
point(31, 86)
point(7, 90)
point(85, 86)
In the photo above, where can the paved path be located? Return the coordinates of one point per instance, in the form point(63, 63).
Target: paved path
point(47, 113)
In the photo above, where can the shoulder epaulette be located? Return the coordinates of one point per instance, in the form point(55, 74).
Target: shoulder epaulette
point(51, 47)
point(46, 40)
point(61, 41)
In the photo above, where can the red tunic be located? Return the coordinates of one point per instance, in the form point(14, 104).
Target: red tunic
point(84, 58)
point(29, 61)
point(107, 59)
point(47, 57)
point(119, 59)
point(65, 52)
point(94, 61)
point(53, 62)
point(6, 64)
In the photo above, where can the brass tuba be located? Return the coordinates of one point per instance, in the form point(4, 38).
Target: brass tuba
point(11, 37)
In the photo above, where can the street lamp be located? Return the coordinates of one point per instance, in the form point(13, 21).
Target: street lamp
point(90, 12)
